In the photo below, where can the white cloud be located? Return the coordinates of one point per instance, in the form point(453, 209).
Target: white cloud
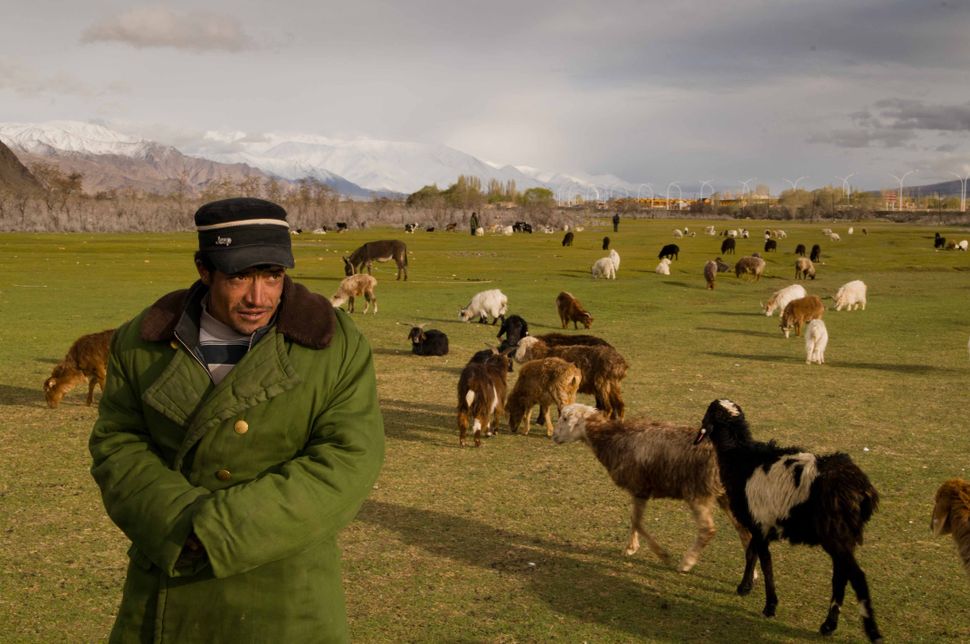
point(161, 27)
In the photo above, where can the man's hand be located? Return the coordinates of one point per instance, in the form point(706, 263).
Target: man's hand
point(192, 552)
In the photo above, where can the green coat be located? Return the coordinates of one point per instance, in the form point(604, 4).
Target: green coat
point(266, 467)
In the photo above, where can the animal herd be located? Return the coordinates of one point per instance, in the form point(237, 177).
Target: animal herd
point(768, 492)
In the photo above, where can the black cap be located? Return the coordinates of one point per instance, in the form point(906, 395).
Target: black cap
point(239, 233)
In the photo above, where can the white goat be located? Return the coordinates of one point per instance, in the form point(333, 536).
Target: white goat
point(605, 268)
point(851, 295)
point(780, 299)
point(816, 339)
point(663, 268)
point(355, 286)
point(492, 302)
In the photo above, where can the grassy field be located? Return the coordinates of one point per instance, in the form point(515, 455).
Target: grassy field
point(521, 540)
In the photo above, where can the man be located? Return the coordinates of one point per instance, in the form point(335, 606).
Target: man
point(473, 223)
point(616, 222)
point(238, 432)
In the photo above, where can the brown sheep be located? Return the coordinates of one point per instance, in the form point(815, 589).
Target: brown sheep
point(355, 286)
point(570, 310)
point(804, 268)
point(602, 367)
point(710, 272)
point(655, 460)
point(951, 515)
point(87, 358)
point(798, 312)
point(481, 396)
point(547, 382)
point(750, 265)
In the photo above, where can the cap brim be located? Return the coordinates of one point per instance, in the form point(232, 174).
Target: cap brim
point(236, 260)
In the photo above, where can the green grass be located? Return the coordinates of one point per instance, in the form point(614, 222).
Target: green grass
point(521, 540)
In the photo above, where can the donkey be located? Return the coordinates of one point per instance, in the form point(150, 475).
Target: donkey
point(378, 251)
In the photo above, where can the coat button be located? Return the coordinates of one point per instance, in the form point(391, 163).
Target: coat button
point(174, 344)
point(241, 427)
point(223, 475)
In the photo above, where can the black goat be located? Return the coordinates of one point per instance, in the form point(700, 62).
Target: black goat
point(939, 241)
point(788, 493)
point(727, 246)
point(522, 227)
point(514, 328)
point(670, 251)
point(771, 245)
point(567, 239)
point(800, 250)
point(606, 243)
point(816, 253)
point(428, 343)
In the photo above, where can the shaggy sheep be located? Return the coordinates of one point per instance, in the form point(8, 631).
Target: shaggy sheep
point(951, 515)
point(602, 367)
point(710, 272)
point(86, 358)
point(570, 310)
point(678, 233)
point(481, 396)
point(963, 245)
point(851, 295)
point(804, 268)
point(750, 265)
point(615, 256)
point(816, 339)
point(780, 298)
point(483, 304)
point(545, 382)
point(605, 268)
point(653, 460)
point(428, 343)
point(728, 246)
point(353, 287)
point(788, 493)
point(663, 268)
point(800, 311)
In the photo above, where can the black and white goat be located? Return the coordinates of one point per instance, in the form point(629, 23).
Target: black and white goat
point(428, 343)
point(514, 328)
point(787, 493)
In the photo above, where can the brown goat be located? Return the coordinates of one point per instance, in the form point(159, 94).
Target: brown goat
point(481, 396)
point(804, 268)
point(87, 358)
point(798, 312)
point(356, 286)
point(570, 310)
point(602, 367)
point(951, 515)
point(546, 382)
point(653, 460)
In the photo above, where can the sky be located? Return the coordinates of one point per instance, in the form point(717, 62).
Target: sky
point(765, 91)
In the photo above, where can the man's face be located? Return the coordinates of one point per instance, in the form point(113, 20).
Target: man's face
point(244, 301)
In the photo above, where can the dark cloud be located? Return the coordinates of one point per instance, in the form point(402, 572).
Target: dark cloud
point(896, 122)
point(916, 115)
point(161, 27)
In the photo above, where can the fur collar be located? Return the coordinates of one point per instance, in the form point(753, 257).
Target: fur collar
point(303, 317)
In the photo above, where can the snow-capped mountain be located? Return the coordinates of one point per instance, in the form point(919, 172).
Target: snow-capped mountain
point(359, 167)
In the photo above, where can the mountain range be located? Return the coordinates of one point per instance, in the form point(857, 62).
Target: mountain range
point(360, 168)
point(14, 176)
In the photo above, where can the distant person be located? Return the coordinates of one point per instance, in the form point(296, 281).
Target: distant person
point(474, 223)
point(238, 433)
point(616, 222)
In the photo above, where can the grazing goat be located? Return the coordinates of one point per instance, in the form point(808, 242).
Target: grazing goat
point(851, 295)
point(963, 245)
point(951, 515)
point(378, 251)
point(678, 233)
point(670, 251)
point(663, 268)
point(816, 254)
point(804, 268)
point(606, 243)
point(484, 304)
point(546, 382)
point(939, 241)
point(728, 246)
point(800, 250)
point(522, 227)
point(567, 239)
point(788, 493)
point(481, 396)
point(514, 328)
point(780, 298)
point(653, 460)
point(570, 310)
point(602, 367)
point(355, 286)
point(87, 358)
point(605, 268)
point(750, 265)
point(428, 343)
point(722, 266)
point(816, 339)
point(798, 312)
point(771, 245)
point(710, 272)
point(479, 232)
